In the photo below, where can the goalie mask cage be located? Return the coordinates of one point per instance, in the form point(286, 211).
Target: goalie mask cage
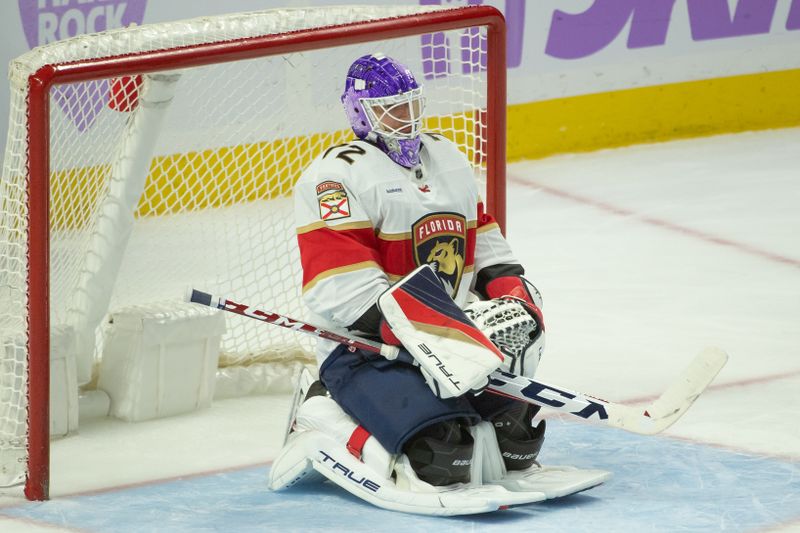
point(143, 160)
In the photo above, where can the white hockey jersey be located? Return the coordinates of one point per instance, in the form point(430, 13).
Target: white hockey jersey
point(364, 222)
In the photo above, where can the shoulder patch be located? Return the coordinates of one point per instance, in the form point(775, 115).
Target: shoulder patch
point(333, 202)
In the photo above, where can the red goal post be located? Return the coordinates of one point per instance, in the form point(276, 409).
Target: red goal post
point(38, 213)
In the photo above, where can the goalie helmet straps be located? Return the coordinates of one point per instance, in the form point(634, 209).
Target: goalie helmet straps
point(441, 454)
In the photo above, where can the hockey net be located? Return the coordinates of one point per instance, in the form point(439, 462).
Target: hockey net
point(168, 153)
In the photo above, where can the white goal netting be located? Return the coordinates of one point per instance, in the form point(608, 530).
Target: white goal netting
point(183, 177)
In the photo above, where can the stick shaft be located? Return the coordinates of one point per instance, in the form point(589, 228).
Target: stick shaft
point(284, 321)
point(648, 420)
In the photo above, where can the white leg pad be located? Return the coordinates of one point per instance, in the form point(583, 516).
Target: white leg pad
point(332, 460)
point(317, 449)
point(553, 481)
point(291, 467)
point(323, 414)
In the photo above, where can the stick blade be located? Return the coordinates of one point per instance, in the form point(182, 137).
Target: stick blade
point(677, 399)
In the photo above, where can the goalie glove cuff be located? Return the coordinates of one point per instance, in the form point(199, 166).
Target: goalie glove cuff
point(520, 289)
point(515, 286)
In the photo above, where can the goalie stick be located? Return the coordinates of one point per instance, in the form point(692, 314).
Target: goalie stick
point(648, 420)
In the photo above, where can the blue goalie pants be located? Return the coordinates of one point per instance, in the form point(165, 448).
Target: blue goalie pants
point(391, 400)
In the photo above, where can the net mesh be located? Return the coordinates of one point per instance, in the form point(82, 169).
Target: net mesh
point(184, 178)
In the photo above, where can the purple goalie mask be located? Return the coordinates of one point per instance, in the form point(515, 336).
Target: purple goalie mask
point(384, 104)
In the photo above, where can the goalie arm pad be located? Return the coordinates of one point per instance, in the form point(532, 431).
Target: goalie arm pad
point(453, 354)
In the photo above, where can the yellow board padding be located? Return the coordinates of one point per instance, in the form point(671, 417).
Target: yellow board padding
point(465, 130)
point(193, 181)
point(74, 194)
point(222, 177)
point(652, 114)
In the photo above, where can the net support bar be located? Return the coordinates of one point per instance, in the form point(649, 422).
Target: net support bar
point(110, 236)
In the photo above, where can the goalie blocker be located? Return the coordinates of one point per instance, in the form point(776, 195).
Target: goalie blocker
point(452, 352)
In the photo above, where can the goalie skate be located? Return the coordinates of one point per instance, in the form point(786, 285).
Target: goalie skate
point(316, 450)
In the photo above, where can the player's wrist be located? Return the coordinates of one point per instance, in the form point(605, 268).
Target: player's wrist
point(509, 286)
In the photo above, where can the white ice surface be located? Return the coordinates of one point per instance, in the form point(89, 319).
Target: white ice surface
point(624, 246)
point(644, 255)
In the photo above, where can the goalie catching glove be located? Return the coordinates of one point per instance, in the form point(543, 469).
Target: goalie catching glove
point(512, 319)
point(454, 356)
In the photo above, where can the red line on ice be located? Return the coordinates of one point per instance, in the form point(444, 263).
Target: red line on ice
point(664, 224)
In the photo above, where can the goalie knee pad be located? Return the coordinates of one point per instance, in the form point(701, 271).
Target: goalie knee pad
point(322, 431)
point(441, 454)
point(518, 440)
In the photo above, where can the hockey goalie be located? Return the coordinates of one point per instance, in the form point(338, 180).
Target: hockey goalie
point(394, 243)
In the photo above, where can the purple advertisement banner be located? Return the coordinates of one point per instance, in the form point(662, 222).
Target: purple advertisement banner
point(603, 21)
point(45, 21)
point(543, 37)
point(436, 47)
point(580, 35)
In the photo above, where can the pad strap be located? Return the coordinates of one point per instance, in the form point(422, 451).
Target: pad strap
point(355, 444)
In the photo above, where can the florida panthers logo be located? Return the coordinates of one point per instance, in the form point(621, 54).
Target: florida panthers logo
point(440, 240)
point(446, 258)
point(333, 201)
